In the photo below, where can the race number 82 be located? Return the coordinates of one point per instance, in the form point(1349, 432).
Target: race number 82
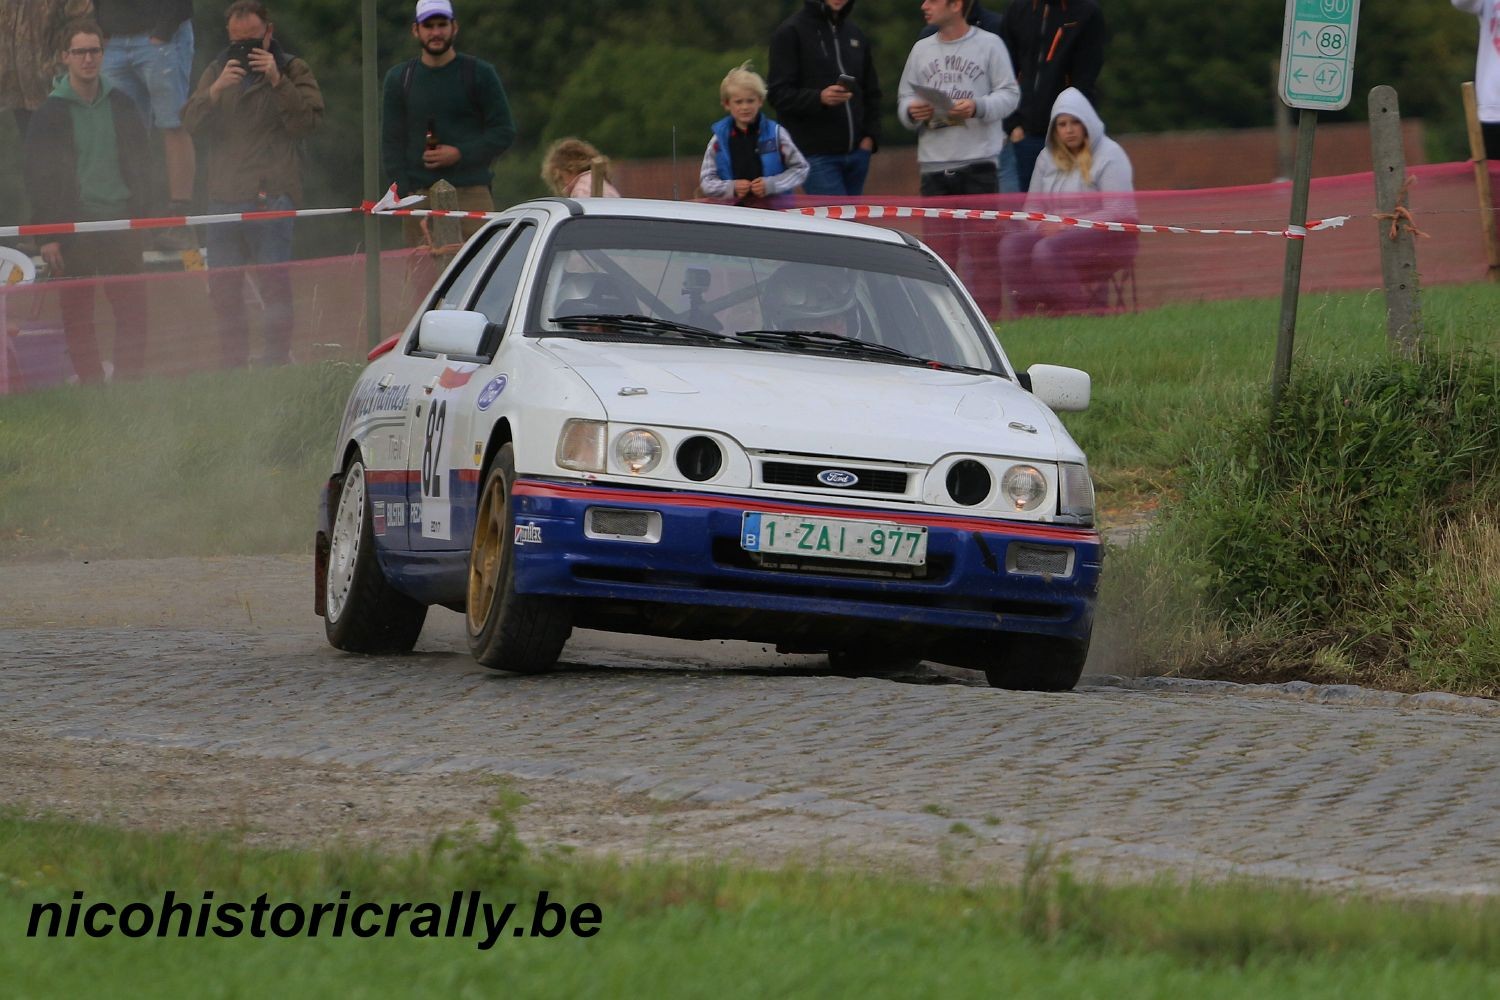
point(432, 451)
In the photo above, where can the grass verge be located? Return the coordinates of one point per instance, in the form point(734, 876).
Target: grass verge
point(676, 929)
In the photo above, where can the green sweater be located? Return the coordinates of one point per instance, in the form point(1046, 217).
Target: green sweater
point(481, 128)
point(102, 192)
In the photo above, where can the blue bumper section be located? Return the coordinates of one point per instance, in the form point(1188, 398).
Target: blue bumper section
point(699, 562)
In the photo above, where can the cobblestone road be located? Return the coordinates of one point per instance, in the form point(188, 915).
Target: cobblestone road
point(1329, 785)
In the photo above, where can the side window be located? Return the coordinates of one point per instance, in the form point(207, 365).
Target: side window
point(458, 285)
point(499, 292)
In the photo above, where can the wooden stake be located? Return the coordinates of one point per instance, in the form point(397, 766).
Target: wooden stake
point(1398, 255)
point(596, 176)
point(1482, 181)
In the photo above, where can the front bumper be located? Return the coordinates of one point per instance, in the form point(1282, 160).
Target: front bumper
point(697, 566)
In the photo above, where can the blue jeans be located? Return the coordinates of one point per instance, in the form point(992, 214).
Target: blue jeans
point(837, 173)
point(1010, 176)
point(231, 247)
point(1027, 151)
point(158, 78)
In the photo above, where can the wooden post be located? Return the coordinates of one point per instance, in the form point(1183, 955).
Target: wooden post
point(1398, 256)
point(446, 232)
point(596, 176)
point(1482, 182)
point(369, 73)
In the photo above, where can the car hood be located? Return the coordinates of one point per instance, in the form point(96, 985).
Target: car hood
point(816, 404)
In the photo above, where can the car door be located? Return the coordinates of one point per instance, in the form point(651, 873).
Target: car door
point(447, 442)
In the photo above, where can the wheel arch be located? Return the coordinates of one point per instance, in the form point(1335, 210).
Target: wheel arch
point(500, 436)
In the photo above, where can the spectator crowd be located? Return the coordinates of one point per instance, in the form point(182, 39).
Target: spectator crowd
point(1001, 101)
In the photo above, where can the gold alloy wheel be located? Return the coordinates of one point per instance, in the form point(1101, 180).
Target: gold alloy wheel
point(485, 556)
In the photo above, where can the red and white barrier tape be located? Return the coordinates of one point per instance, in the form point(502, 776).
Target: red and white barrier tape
point(860, 213)
point(391, 205)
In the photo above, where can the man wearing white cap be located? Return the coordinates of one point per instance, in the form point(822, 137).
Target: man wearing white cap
point(446, 117)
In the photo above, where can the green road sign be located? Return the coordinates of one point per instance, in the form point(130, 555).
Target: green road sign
point(1317, 53)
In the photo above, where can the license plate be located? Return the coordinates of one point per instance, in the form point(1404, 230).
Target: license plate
point(834, 538)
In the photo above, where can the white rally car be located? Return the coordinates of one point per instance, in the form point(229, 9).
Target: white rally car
point(711, 422)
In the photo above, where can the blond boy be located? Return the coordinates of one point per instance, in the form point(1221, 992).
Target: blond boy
point(749, 156)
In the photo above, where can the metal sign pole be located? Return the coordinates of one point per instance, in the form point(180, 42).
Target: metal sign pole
point(369, 74)
point(1317, 66)
point(1291, 278)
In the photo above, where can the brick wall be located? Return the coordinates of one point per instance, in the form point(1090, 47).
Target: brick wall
point(1165, 161)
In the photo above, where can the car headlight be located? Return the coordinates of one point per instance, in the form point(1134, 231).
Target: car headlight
point(581, 445)
point(1075, 492)
point(638, 450)
point(1023, 486)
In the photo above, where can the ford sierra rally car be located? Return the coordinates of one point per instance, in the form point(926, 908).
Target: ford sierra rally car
point(710, 422)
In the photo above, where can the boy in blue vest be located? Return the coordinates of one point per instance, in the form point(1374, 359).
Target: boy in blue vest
point(749, 157)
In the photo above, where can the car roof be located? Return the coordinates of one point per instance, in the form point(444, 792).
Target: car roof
point(693, 211)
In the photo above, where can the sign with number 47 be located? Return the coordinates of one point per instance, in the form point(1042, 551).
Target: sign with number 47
point(1317, 53)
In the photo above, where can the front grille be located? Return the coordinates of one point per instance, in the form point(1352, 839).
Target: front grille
point(806, 477)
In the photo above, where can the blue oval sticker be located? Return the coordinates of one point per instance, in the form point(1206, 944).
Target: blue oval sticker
point(837, 477)
point(492, 391)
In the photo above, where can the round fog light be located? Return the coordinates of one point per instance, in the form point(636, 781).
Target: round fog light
point(1024, 487)
point(639, 450)
point(699, 458)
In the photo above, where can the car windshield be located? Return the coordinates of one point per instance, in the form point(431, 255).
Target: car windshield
point(750, 285)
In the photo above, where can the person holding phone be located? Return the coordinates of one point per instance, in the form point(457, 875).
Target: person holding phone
point(823, 84)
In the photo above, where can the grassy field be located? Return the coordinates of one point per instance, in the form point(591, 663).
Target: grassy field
point(684, 930)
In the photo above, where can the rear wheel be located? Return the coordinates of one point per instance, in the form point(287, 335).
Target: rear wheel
point(507, 630)
point(1039, 663)
point(364, 613)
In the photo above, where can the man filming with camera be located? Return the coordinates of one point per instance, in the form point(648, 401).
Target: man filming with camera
point(252, 109)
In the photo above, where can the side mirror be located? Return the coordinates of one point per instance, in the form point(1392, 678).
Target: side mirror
point(1060, 388)
point(451, 331)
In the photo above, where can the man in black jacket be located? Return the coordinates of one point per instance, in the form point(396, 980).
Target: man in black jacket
point(1054, 45)
point(85, 160)
point(836, 126)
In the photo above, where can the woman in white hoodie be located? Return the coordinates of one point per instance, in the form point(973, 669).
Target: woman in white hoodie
point(1082, 174)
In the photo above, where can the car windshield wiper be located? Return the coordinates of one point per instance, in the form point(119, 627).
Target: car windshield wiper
point(632, 323)
point(835, 343)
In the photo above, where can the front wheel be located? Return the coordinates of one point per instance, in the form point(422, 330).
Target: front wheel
point(364, 613)
point(507, 630)
point(1039, 663)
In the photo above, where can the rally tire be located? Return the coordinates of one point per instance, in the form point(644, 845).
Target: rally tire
point(520, 633)
point(1039, 663)
point(364, 613)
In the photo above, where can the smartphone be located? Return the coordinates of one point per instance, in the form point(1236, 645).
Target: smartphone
point(846, 81)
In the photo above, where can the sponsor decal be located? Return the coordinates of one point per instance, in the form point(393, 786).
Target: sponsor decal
point(395, 515)
point(414, 515)
point(377, 509)
point(456, 376)
point(370, 397)
point(840, 478)
point(478, 452)
point(528, 534)
point(492, 391)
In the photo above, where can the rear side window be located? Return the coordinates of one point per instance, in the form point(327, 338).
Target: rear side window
point(497, 297)
point(460, 281)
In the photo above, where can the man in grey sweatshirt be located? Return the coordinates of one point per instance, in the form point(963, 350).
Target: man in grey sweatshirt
point(957, 145)
point(955, 92)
